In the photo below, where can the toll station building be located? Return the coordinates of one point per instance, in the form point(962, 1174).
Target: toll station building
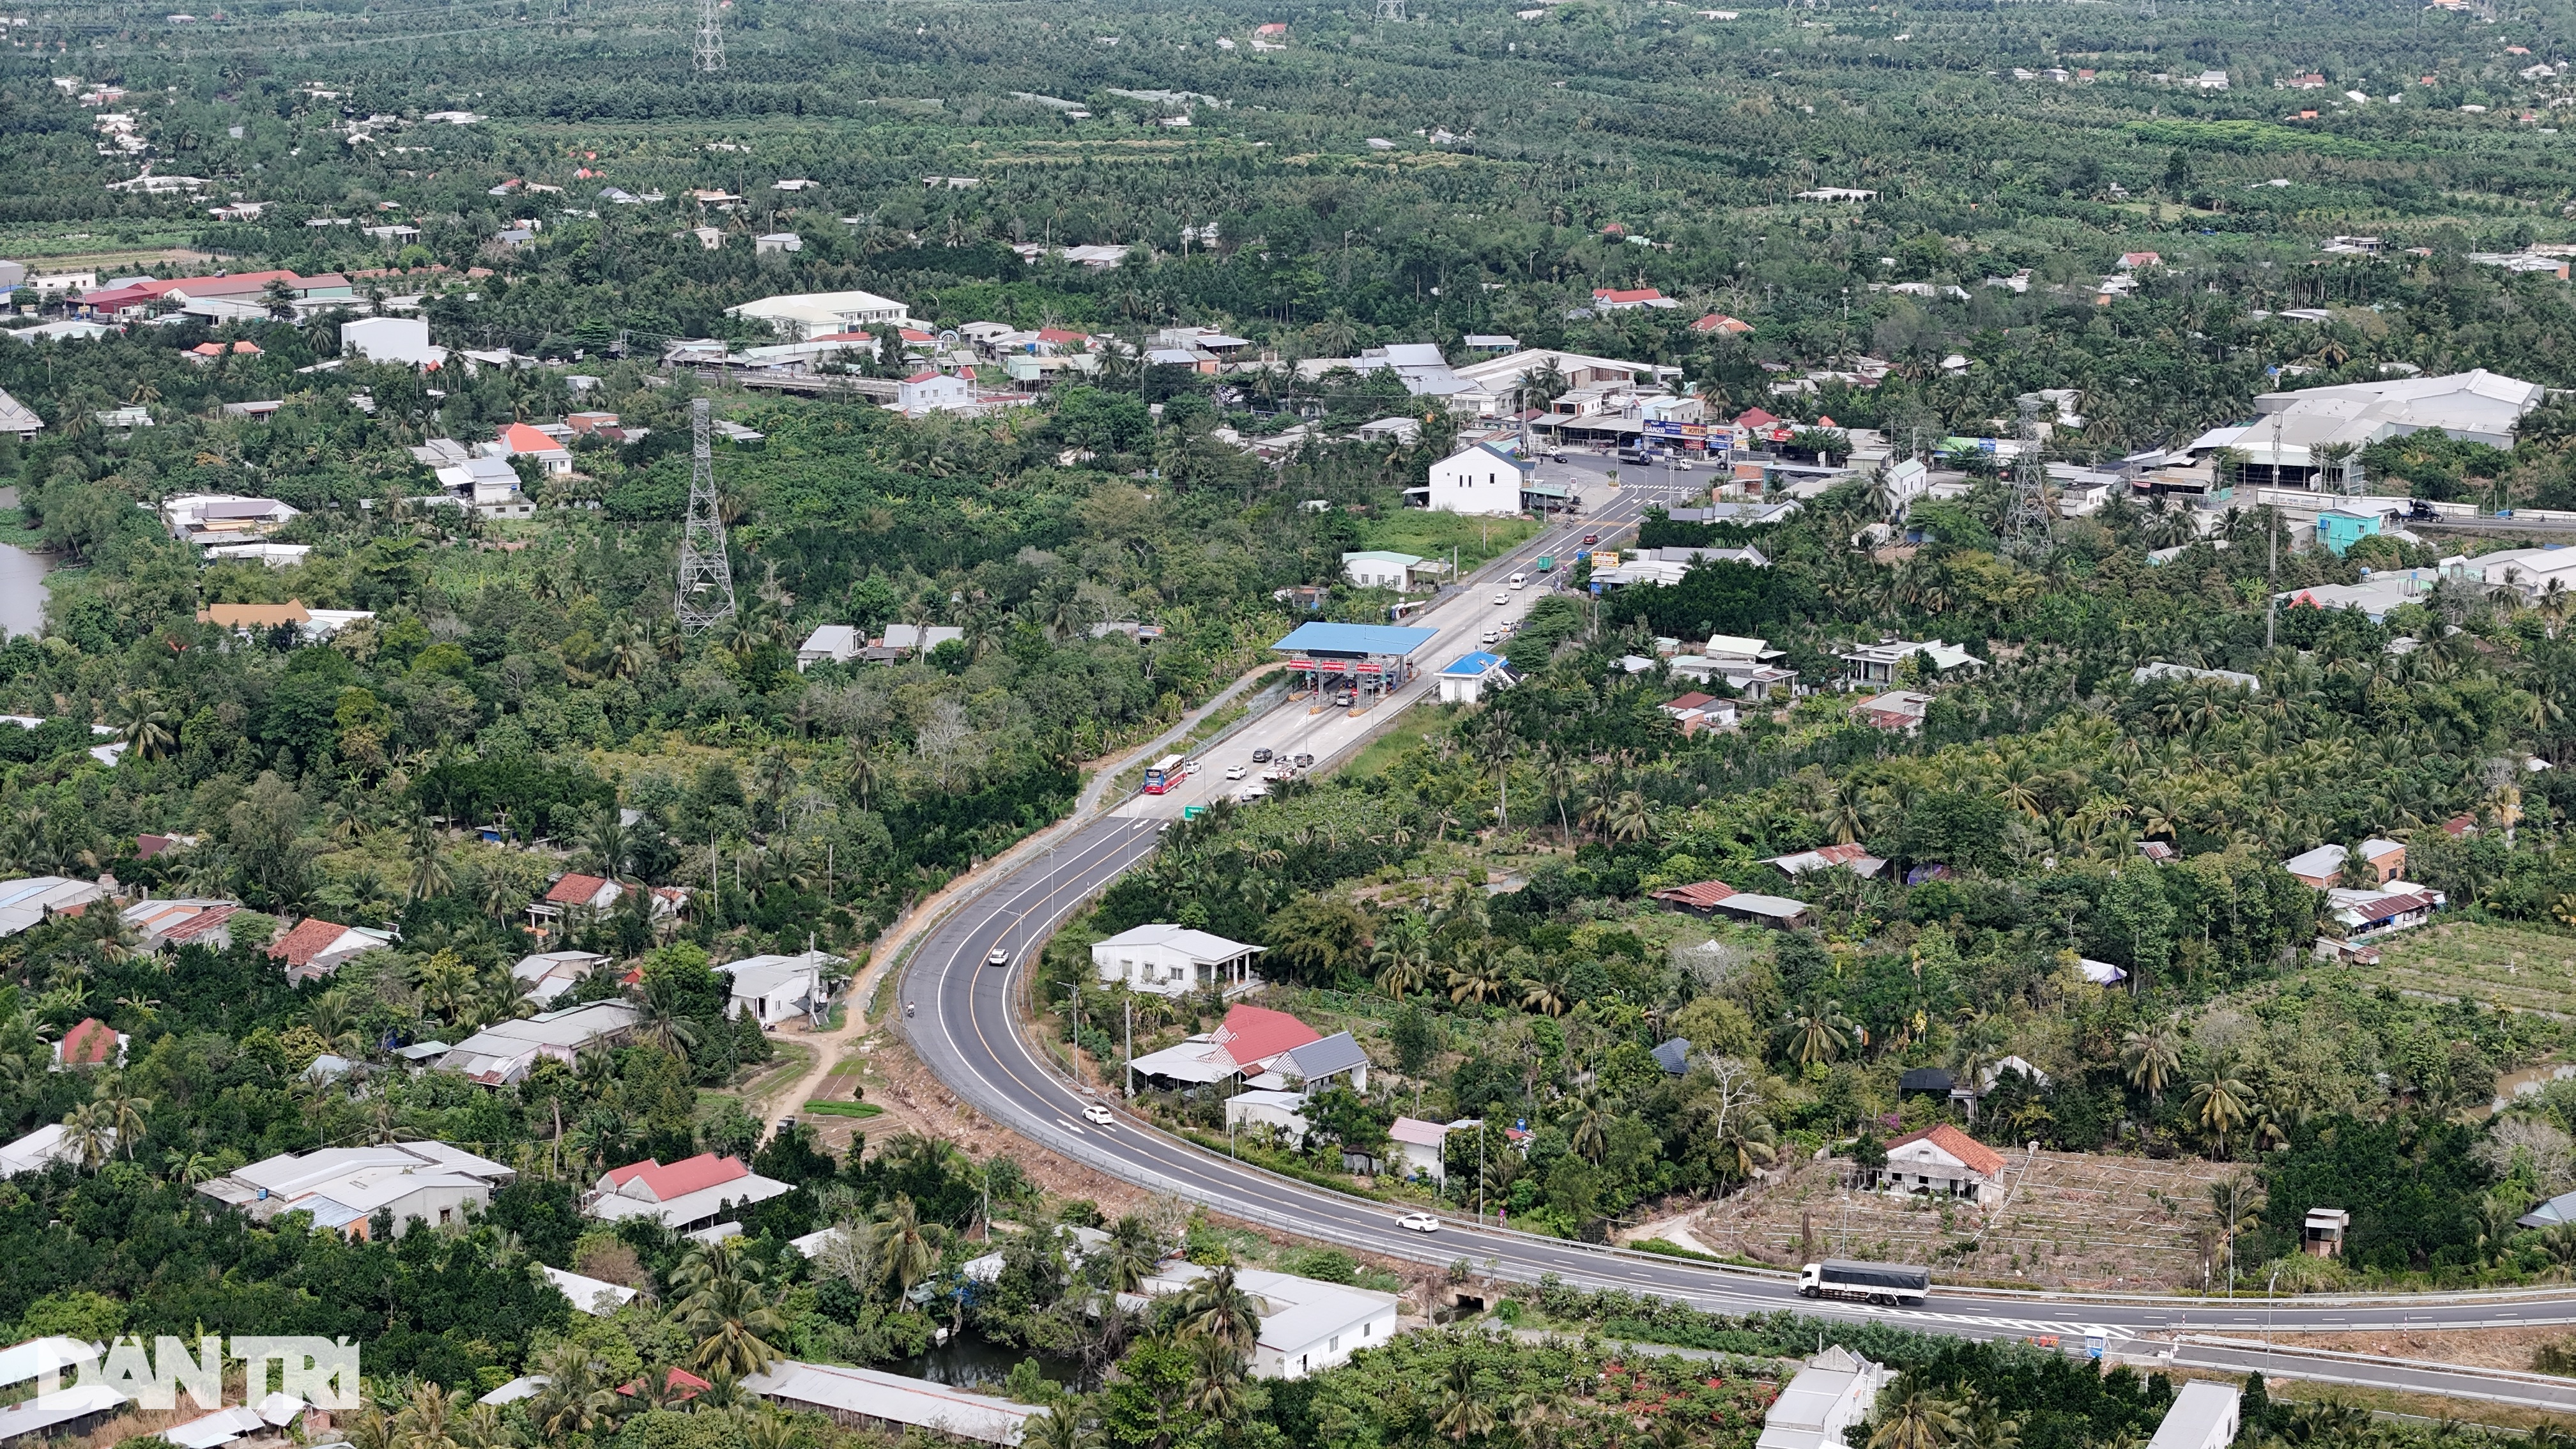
point(1366, 658)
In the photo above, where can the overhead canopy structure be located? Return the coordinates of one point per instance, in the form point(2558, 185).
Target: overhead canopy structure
point(1380, 652)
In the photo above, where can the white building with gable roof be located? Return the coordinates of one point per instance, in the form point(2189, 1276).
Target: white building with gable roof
point(1169, 960)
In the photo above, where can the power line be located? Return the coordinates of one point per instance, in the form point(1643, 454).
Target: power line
point(710, 52)
point(706, 573)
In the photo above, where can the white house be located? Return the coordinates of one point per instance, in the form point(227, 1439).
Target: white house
point(829, 644)
point(391, 339)
point(33, 900)
point(2203, 1416)
point(1417, 1147)
point(1875, 666)
point(682, 1195)
point(933, 391)
point(37, 1151)
point(1478, 479)
point(797, 316)
point(1307, 1326)
point(1282, 1112)
point(1169, 960)
point(1384, 569)
point(342, 1187)
point(892, 1402)
point(1941, 1161)
point(1470, 675)
point(507, 1051)
point(549, 974)
point(776, 988)
point(1834, 1391)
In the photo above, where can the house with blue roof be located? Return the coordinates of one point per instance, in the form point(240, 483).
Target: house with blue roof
point(1470, 675)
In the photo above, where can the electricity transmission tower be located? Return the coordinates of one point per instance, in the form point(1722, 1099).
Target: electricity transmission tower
point(1390, 9)
point(706, 575)
point(2026, 522)
point(710, 51)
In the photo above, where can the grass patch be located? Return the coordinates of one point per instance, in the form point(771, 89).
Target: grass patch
point(1132, 778)
point(845, 1109)
point(1665, 1249)
point(2503, 966)
point(1426, 534)
point(1391, 742)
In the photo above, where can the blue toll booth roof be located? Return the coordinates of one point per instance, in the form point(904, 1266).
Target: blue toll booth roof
point(1379, 639)
point(1477, 663)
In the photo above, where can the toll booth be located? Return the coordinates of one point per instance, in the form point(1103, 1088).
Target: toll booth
point(1367, 658)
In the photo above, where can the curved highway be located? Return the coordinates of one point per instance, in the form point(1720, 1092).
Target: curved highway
point(962, 1018)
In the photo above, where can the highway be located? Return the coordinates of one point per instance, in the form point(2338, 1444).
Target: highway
point(961, 1018)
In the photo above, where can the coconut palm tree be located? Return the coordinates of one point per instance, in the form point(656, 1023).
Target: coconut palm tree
point(429, 1419)
point(906, 1246)
point(1920, 1420)
point(145, 727)
point(1818, 1032)
point(1402, 957)
point(1465, 1407)
point(1218, 1308)
point(1216, 1391)
point(576, 1398)
point(1058, 1428)
point(727, 1310)
point(1476, 974)
point(2151, 1055)
point(90, 1134)
point(2219, 1102)
point(430, 875)
point(1129, 1256)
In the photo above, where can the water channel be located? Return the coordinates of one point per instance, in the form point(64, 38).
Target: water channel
point(22, 581)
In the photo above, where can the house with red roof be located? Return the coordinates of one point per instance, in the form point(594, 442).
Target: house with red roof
point(583, 898)
point(1720, 322)
point(1253, 1043)
point(316, 948)
point(1698, 711)
point(682, 1195)
point(1701, 899)
point(1628, 299)
point(92, 1043)
point(524, 441)
point(1941, 1161)
point(933, 391)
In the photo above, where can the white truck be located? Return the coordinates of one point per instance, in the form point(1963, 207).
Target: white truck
point(1889, 1283)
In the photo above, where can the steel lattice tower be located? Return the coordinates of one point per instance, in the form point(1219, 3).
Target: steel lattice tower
point(2026, 522)
point(710, 52)
point(706, 574)
point(1390, 10)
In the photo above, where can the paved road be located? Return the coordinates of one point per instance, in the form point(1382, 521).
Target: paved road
point(960, 1017)
point(1464, 618)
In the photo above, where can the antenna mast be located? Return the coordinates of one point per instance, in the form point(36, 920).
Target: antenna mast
point(2026, 522)
point(710, 51)
point(706, 574)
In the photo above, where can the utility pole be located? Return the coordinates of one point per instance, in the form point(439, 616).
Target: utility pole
point(2271, 575)
point(706, 572)
point(1127, 1078)
point(709, 58)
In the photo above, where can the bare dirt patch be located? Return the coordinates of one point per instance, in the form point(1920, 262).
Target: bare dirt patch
point(2066, 1220)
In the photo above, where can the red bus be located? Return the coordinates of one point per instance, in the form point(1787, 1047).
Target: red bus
point(1164, 774)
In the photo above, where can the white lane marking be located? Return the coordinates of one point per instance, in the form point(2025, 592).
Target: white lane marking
point(1067, 1126)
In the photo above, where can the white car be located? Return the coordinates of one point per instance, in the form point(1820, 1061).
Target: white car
point(1098, 1116)
point(1234, 772)
point(1502, 598)
point(1419, 1222)
point(1001, 957)
point(1490, 636)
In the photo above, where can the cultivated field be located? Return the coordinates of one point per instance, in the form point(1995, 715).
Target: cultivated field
point(2498, 965)
point(2070, 1220)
